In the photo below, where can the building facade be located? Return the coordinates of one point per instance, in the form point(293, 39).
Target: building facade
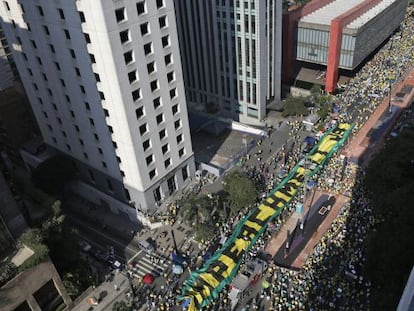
point(231, 54)
point(105, 83)
point(7, 65)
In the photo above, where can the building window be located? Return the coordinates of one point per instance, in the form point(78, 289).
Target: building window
point(179, 138)
point(136, 94)
point(151, 67)
point(167, 163)
point(157, 195)
point(124, 36)
point(144, 29)
point(149, 159)
point(143, 129)
point(168, 59)
point(174, 109)
point(173, 93)
point(87, 107)
point(101, 95)
point(171, 185)
point(157, 102)
point(82, 17)
point(57, 66)
point(165, 41)
point(165, 148)
point(160, 4)
point(106, 112)
point(120, 15)
point(128, 57)
point(92, 57)
point(52, 48)
point(61, 14)
point(170, 76)
point(33, 44)
point(141, 7)
point(132, 76)
point(162, 134)
point(152, 173)
point(67, 34)
point(154, 85)
point(6, 5)
point(100, 150)
point(62, 82)
point(184, 171)
point(46, 29)
point(160, 118)
point(87, 38)
point(77, 71)
point(163, 21)
point(177, 124)
point(146, 145)
point(72, 53)
point(139, 112)
point(39, 60)
point(40, 10)
point(148, 48)
point(97, 77)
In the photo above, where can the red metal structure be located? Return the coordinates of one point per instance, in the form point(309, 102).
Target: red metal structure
point(335, 40)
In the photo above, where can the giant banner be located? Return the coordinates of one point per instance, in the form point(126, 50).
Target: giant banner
point(203, 285)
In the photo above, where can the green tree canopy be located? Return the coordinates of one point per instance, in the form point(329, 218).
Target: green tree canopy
point(196, 210)
point(241, 191)
point(121, 306)
point(390, 254)
point(34, 239)
point(294, 106)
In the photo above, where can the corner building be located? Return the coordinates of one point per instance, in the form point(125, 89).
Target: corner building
point(231, 53)
point(105, 83)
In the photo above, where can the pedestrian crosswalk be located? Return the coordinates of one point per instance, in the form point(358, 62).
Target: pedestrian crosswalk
point(150, 263)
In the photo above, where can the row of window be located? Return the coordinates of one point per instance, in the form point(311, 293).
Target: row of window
point(153, 173)
point(171, 184)
point(121, 16)
point(157, 102)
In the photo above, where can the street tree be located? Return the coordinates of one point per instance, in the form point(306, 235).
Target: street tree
point(196, 209)
point(121, 306)
point(294, 106)
point(241, 191)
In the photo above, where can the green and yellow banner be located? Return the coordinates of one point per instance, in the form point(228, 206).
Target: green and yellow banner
point(204, 285)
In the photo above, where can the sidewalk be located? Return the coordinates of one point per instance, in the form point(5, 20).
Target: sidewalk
point(106, 294)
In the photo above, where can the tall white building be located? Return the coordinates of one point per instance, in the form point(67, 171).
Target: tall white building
point(105, 83)
point(231, 54)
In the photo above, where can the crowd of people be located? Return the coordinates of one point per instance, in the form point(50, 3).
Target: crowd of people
point(331, 277)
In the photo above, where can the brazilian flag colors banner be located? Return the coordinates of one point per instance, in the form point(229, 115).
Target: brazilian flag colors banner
point(202, 286)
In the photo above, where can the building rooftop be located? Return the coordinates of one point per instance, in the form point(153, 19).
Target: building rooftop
point(326, 14)
point(370, 14)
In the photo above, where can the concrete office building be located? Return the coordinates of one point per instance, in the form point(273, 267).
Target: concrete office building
point(105, 83)
point(231, 54)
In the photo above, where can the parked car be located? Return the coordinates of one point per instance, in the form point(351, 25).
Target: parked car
point(147, 246)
